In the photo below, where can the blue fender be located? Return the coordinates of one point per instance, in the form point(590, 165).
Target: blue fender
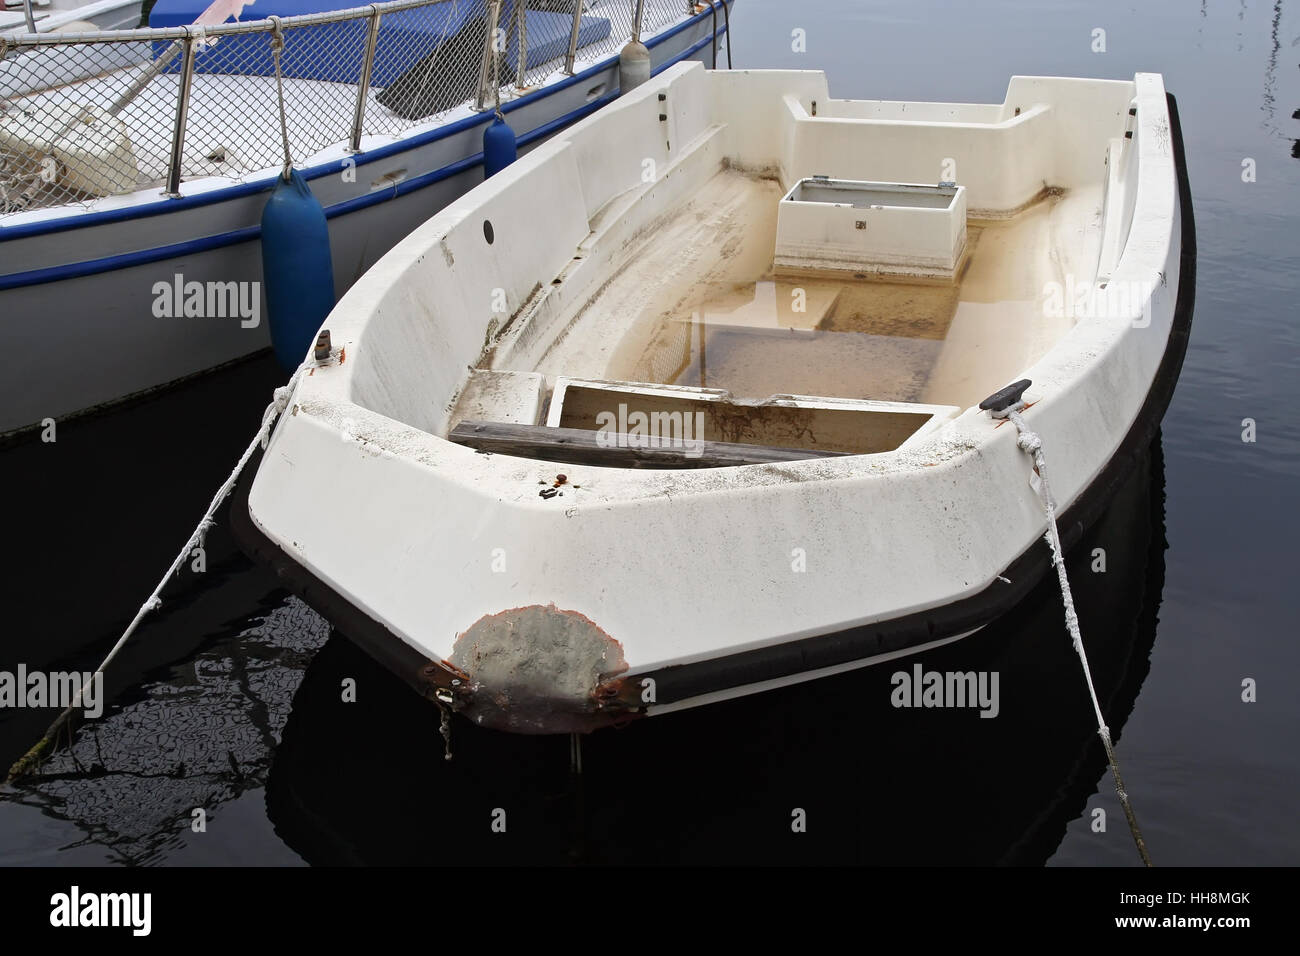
point(499, 147)
point(297, 271)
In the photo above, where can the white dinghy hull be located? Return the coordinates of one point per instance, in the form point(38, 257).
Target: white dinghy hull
point(568, 589)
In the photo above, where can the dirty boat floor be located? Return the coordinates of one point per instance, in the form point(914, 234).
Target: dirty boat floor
point(697, 303)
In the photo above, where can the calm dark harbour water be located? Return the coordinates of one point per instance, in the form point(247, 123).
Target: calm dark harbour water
point(228, 700)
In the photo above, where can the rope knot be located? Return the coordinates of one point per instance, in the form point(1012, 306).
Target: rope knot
point(277, 35)
point(1028, 441)
point(279, 402)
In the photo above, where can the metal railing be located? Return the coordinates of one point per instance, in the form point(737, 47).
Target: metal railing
point(84, 115)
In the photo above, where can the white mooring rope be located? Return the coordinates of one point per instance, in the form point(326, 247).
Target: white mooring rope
point(278, 404)
point(1032, 445)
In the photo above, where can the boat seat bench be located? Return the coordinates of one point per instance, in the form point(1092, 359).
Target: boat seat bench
point(585, 447)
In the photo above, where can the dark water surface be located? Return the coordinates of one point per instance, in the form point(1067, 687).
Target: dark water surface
point(229, 698)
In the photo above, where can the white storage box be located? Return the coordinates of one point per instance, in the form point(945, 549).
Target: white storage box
point(847, 226)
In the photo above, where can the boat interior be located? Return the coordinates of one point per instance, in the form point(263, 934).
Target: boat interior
point(700, 305)
point(841, 282)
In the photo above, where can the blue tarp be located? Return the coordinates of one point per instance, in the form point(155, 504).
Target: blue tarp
point(333, 52)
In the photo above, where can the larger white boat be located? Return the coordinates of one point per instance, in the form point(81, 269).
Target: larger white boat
point(135, 164)
point(738, 418)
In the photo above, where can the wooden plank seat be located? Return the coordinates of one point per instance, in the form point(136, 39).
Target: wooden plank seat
point(586, 447)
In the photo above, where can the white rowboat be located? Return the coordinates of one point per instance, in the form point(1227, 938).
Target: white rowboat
point(811, 296)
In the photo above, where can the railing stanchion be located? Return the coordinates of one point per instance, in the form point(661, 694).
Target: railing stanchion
point(363, 86)
point(488, 68)
point(573, 38)
point(182, 111)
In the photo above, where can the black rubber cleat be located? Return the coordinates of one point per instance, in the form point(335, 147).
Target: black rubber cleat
point(1006, 397)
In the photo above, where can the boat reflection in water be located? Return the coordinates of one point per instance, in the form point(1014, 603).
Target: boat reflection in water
point(366, 782)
